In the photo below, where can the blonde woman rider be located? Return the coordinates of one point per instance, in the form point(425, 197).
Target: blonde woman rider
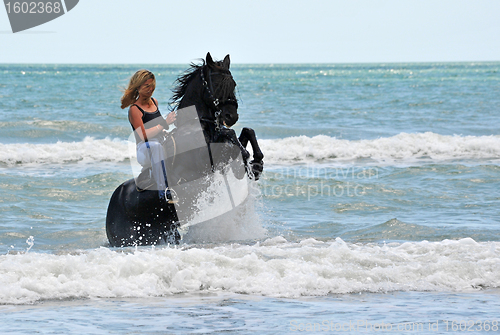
point(148, 125)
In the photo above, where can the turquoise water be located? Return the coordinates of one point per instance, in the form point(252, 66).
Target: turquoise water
point(379, 204)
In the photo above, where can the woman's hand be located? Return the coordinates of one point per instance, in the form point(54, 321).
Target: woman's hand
point(170, 118)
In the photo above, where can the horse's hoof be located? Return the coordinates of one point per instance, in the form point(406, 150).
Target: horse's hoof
point(257, 168)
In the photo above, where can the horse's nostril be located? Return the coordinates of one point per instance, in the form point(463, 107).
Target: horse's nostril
point(230, 119)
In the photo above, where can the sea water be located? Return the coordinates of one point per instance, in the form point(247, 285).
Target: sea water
point(378, 211)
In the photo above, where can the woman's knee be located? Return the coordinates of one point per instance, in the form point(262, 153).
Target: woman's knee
point(154, 145)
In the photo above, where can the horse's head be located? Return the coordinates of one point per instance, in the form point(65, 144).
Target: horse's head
point(210, 87)
point(219, 92)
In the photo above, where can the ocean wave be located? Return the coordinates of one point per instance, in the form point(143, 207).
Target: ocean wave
point(88, 150)
point(274, 267)
point(403, 148)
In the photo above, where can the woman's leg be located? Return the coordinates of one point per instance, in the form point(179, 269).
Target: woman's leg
point(151, 154)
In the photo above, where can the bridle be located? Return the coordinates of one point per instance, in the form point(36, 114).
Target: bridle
point(217, 105)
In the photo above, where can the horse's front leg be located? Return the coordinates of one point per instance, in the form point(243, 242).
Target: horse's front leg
point(229, 136)
point(248, 135)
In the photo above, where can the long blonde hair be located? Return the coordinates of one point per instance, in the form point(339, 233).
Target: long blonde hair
point(132, 93)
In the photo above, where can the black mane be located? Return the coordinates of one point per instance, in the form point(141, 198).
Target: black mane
point(182, 82)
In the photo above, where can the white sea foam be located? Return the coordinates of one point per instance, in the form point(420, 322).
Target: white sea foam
point(88, 150)
point(402, 147)
point(301, 149)
point(274, 267)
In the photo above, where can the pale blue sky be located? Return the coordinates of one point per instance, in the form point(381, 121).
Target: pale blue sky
point(257, 31)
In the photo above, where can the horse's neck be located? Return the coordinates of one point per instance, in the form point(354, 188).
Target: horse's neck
point(201, 108)
point(195, 97)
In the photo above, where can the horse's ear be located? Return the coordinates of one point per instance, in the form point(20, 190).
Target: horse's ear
point(226, 62)
point(210, 61)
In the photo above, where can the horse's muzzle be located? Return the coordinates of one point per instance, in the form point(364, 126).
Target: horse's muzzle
point(229, 117)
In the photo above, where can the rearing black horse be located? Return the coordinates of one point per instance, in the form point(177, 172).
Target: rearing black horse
point(135, 214)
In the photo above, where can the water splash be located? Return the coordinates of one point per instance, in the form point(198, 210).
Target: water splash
point(31, 242)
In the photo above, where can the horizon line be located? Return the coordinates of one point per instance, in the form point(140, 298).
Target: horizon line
point(260, 63)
